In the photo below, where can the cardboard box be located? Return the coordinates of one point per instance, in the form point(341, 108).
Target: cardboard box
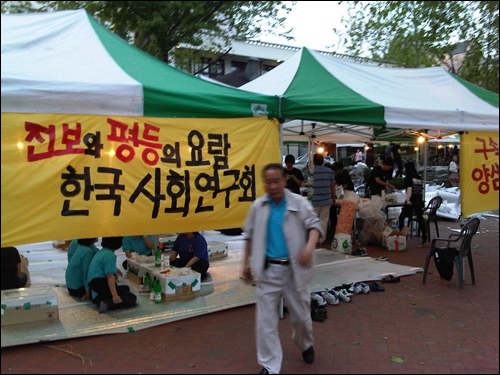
point(180, 282)
point(217, 249)
point(394, 240)
point(29, 305)
point(134, 278)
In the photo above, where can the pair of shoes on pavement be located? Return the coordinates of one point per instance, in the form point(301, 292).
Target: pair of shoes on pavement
point(307, 355)
point(357, 288)
point(391, 279)
point(343, 294)
point(331, 297)
point(360, 252)
point(374, 287)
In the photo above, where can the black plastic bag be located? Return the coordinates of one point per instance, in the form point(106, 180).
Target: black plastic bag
point(444, 259)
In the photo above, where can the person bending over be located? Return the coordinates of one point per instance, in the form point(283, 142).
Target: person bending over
point(142, 245)
point(192, 249)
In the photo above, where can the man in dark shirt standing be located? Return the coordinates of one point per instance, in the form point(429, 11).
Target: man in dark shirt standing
point(377, 182)
point(294, 176)
point(397, 159)
point(12, 277)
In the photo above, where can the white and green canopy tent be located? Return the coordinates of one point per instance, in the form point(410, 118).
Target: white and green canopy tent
point(333, 91)
point(78, 100)
point(66, 62)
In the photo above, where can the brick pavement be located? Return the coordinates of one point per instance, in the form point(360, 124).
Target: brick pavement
point(433, 328)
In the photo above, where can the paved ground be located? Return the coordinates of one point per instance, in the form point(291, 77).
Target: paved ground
point(408, 328)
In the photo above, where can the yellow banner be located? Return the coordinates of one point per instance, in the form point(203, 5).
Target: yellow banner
point(478, 172)
point(81, 176)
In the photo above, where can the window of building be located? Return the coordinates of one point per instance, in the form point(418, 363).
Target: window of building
point(211, 69)
point(238, 65)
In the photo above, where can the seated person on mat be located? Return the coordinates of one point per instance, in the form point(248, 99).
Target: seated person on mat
point(102, 280)
point(73, 245)
point(78, 268)
point(12, 276)
point(193, 252)
point(142, 245)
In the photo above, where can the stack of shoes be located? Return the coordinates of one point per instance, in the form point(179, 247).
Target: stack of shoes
point(364, 288)
point(318, 310)
point(331, 297)
point(344, 295)
point(351, 289)
point(360, 252)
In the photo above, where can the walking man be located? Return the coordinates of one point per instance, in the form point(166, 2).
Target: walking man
point(281, 233)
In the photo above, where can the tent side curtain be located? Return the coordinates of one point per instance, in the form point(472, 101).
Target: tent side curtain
point(169, 92)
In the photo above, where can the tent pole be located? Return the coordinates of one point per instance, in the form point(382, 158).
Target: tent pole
point(281, 136)
point(426, 155)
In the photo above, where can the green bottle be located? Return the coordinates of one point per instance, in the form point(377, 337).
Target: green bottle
point(157, 291)
point(158, 257)
point(147, 283)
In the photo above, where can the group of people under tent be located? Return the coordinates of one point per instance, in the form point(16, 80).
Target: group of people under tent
point(328, 178)
point(92, 273)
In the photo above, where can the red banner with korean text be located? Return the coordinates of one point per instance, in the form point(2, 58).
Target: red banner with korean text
point(82, 176)
point(478, 172)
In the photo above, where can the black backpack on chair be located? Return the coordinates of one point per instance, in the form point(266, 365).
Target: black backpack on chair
point(444, 259)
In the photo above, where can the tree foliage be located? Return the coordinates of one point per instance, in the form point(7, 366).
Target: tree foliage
point(157, 27)
point(415, 34)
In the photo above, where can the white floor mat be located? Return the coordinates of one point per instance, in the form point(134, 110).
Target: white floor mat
point(226, 290)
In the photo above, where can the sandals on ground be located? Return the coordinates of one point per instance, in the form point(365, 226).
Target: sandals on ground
point(391, 279)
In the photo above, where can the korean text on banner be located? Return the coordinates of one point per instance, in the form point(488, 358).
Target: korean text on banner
point(79, 176)
point(478, 172)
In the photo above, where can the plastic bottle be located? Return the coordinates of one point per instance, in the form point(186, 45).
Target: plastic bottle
point(158, 257)
point(151, 290)
point(394, 224)
point(157, 291)
point(310, 183)
point(368, 193)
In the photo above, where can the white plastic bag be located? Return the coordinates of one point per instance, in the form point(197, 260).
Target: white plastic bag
point(342, 243)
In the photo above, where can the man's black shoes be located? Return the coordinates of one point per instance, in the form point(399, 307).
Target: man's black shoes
point(264, 371)
point(308, 355)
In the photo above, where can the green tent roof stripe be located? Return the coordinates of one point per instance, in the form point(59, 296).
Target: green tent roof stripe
point(168, 92)
point(317, 90)
point(487, 96)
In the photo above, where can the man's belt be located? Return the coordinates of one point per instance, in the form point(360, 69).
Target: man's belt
point(283, 261)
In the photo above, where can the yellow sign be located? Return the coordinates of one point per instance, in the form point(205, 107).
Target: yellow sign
point(81, 176)
point(478, 172)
